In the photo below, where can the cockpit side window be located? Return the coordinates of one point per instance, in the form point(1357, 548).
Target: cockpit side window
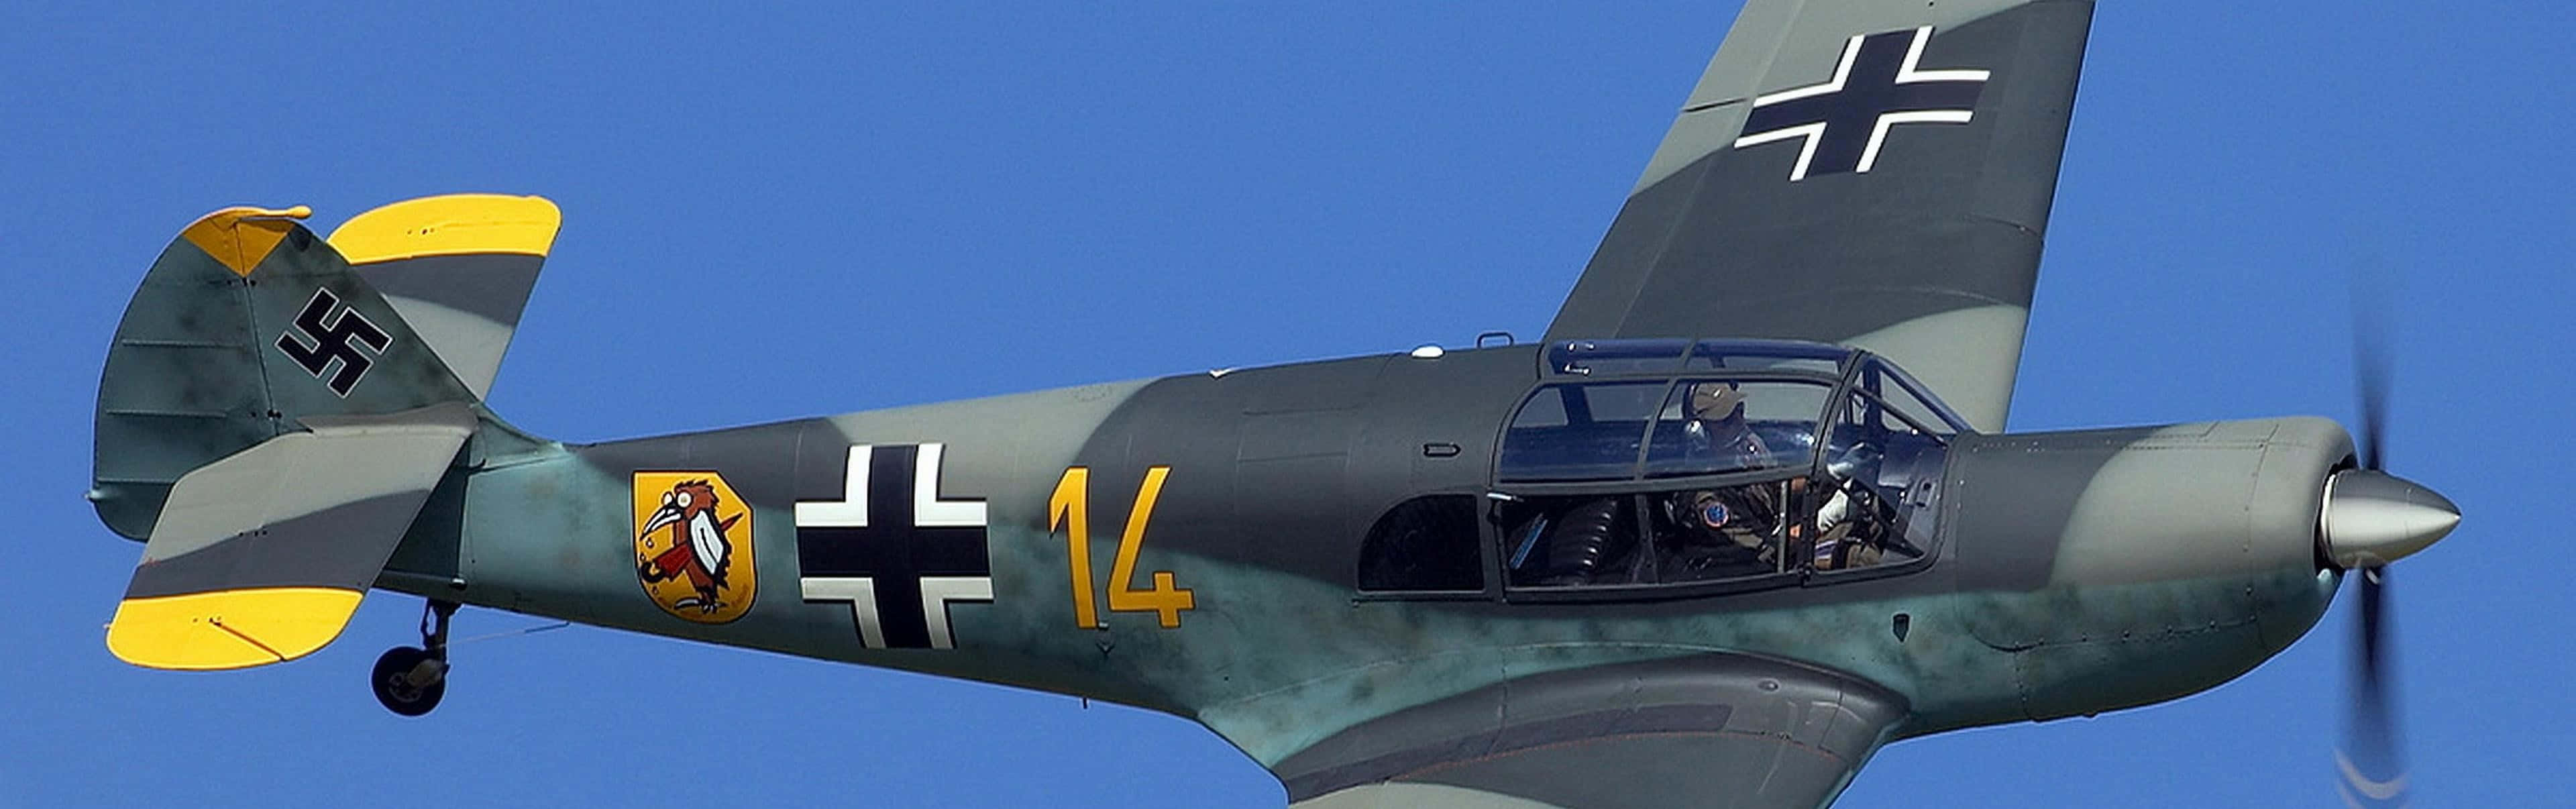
point(1579, 432)
point(1709, 427)
point(1858, 524)
point(1675, 536)
point(1426, 544)
point(1571, 542)
point(1896, 393)
point(1726, 532)
point(1882, 471)
point(1754, 465)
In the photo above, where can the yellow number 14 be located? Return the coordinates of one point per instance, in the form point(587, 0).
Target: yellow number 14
point(1070, 509)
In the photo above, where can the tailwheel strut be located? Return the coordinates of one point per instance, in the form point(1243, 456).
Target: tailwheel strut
point(410, 680)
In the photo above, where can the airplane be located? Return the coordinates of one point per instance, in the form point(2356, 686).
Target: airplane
point(1745, 514)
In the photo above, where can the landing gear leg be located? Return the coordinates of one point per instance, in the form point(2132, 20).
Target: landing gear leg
point(410, 680)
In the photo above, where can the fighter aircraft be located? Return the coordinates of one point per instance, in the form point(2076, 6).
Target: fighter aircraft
point(1743, 515)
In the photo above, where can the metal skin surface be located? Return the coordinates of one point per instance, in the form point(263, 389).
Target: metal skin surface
point(1193, 544)
point(2074, 572)
point(2069, 573)
point(1929, 257)
point(184, 380)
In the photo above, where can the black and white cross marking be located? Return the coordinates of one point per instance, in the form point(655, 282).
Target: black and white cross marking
point(331, 337)
point(893, 549)
point(1877, 85)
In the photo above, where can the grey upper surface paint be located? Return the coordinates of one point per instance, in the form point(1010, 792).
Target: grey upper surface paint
point(323, 508)
point(465, 306)
point(1278, 654)
point(2065, 572)
point(194, 373)
point(1716, 240)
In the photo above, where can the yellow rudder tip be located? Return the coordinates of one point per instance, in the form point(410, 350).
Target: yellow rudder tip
point(240, 236)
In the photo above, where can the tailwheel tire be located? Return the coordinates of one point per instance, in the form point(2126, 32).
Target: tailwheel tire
point(409, 680)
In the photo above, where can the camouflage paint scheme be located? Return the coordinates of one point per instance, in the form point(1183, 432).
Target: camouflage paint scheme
point(1929, 258)
point(2074, 572)
point(2070, 572)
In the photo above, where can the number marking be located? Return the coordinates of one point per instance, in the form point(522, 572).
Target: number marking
point(1071, 504)
point(1069, 508)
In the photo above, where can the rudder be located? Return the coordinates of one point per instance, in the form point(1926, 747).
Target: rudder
point(246, 325)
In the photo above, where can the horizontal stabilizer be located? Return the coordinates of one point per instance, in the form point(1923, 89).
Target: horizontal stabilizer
point(262, 557)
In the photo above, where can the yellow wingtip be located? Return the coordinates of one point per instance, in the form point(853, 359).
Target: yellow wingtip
point(229, 629)
point(452, 224)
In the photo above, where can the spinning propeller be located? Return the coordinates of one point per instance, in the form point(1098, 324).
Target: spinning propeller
point(2372, 518)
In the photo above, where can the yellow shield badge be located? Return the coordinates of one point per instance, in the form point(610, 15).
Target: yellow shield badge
point(693, 545)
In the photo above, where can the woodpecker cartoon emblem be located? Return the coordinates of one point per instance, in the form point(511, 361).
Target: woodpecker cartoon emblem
point(693, 549)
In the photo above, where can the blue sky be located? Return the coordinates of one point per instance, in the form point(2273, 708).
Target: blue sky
point(856, 207)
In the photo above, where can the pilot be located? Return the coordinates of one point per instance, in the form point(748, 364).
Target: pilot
point(1733, 526)
point(1728, 531)
point(1718, 429)
point(1737, 530)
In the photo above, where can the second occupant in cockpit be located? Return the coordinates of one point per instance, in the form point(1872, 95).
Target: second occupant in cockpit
point(1842, 540)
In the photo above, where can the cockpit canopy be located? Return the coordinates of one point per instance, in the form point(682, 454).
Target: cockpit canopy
point(1669, 468)
point(1667, 356)
point(1630, 409)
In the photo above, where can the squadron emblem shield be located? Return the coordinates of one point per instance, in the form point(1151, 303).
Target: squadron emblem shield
point(693, 550)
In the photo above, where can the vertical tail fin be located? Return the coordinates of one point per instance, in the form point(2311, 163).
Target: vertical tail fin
point(247, 325)
point(271, 422)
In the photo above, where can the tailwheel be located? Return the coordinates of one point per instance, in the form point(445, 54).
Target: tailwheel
point(409, 680)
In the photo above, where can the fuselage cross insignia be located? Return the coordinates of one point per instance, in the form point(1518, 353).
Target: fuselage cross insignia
point(892, 548)
point(1877, 85)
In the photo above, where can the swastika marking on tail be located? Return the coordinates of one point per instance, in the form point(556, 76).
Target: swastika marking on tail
point(333, 337)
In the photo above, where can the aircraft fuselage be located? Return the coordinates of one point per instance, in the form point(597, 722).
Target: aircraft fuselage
point(1222, 515)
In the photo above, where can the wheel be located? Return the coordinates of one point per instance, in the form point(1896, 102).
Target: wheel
point(398, 680)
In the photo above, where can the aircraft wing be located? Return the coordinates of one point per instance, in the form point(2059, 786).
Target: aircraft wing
point(1710, 730)
point(1871, 173)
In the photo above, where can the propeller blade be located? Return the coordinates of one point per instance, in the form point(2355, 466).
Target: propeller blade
point(2370, 364)
point(2372, 768)
point(2371, 762)
point(2372, 327)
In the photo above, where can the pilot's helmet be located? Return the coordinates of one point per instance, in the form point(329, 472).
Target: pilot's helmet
point(1713, 401)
